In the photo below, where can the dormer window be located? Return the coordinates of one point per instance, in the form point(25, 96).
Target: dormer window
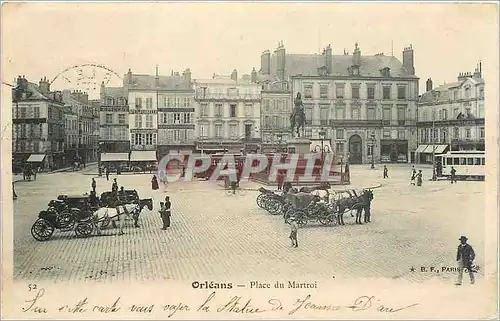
point(110, 101)
point(355, 70)
point(322, 71)
point(385, 72)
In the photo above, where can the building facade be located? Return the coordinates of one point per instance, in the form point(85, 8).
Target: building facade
point(227, 113)
point(114, 120)
point(452, 115)
point(364, 104)
point(80, 104)
point(38, 124)
point(71, 135)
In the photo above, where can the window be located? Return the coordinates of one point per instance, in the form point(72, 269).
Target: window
point(355, 112)
point(218, 110)
point(482, 161)
point(137, 139)
point(340, 148)
point(109, 118)
point(177, 101)
point(323, 90)
point(308, 90)
point(148, 139)
point(203, 131)
point(477, 161)
point(177, 118)
point(456, 161)
point(308, 110)
point(444, 115)
point(248, 109)
point(355, 91)
point(339, 134)
point(339, 112)
point(149, 103)
point(455, 94)
point(121, 119)
point(267, 121)
point(204, 110)
point(387, 114)
point(386, 92)
point(187, 102)
point(424, 116)
point(138, 103)
point(371, 92)
point(456, 133)
point(401, 115)
point(232, 109)
point(36, 112)
point(370, 113)
point(339, 90)
point(467, 92)
point(481, 133)
point(218, 131)
point(467, 133)
point(187, 118)
point(122, 133)
point(308, 132)
point(481, 93)
point(267, 105)
point(323, 112)
point(444, 135)
point(149, 121)
point(233, 129)
point(401, 92)
point(470, 161)
point(401, 134)
point(386, 133)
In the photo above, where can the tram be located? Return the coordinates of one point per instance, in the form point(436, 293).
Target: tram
point(469, 165)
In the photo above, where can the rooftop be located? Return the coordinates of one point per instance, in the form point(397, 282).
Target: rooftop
point(175, 82)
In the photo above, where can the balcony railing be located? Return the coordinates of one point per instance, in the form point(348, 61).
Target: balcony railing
point(218, 96)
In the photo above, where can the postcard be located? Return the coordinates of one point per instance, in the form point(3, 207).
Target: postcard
point(237, 160)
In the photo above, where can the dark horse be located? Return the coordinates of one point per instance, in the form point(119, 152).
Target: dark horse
point(298, 117)
point(357, 203)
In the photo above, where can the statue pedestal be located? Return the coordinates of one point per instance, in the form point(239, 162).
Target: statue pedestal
point(299, 145)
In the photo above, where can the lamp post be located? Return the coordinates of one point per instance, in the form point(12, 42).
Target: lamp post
point(322, 135)
point(280, 139)
point(372, 147)
point(341, 167)
point(99, 151)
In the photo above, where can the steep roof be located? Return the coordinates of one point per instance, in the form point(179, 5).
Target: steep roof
point(308, 64)
point(441, 93)
point(115, 92)
point(165, 82)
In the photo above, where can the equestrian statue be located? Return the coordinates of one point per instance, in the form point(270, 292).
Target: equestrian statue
point(298, 116)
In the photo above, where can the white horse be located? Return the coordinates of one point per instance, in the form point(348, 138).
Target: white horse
point(105, 215)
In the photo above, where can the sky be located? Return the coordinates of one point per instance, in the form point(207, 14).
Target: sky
point(44, 39)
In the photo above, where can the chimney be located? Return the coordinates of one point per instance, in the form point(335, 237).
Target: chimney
point(234, 75)
point(428, 85)
point(253, 76)
point(187, 75)
point(44, 85)
point(408, 60)
point(328, 59)
point(280, 60)
point(265, 62)
point(463, 76)
point(356, 55)
point(157, 78)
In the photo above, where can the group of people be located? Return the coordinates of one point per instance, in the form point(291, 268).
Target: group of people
point(416, 176)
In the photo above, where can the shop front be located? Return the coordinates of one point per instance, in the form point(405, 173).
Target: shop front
point(424, 153)
point(393, 151)
point(143, 160)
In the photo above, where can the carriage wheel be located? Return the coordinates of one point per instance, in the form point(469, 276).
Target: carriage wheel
point(323, 220)
point(275, 207)
point(66, 221)
point(105, 222)
point(83, 229)
point(42, 230)
point(260, 200)
point(287, 215)
point(331, 220)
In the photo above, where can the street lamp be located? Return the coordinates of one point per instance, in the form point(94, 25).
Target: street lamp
point(372, 147)
point(322, 135)
point(99, 150)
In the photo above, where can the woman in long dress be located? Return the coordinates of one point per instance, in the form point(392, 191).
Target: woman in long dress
point(154, 183)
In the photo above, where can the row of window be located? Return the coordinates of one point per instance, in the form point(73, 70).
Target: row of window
point(176, 136)
point(114, 133)
point(219, 110)
point(442, 114)
point(340, 92)
point(122, 118)
point(143, 139)
point(442, 134)
point(26, 112)
point(456, 94)
point(176, 118)
point(231, 92)
point(340, 113)
point(167, 102)
point(276, 105)
point(276, 122)
point(219, 131)
point(465, 161)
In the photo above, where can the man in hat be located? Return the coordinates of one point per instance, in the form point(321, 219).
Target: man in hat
point(293, 234)
point(114, 186)
point(465, 257)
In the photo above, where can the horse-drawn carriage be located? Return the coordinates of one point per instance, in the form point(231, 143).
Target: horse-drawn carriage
point(306, 206)
point(81, 214)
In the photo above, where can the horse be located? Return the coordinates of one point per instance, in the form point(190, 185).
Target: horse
point(297, 122)
point(106, 214)
point(348, 203)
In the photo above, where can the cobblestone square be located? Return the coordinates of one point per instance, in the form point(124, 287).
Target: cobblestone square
point(215, 236)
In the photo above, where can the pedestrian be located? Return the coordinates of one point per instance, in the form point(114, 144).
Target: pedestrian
point(293, 231)
point(94, 184)
point(419, 178)
point(413, 175)
point(154, 183)
point(280, 179)
point(114, 186)
point(465, 259)
point(167, 214)
point(35, 171)
point(14, 192)
point(107, 173)
point(453, 173)
point(385, 172)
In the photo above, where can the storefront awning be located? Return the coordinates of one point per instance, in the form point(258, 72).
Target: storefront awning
point(436, 149)
point(36, 158)
point(114, 157)
point(143, 156)
point(421, 148)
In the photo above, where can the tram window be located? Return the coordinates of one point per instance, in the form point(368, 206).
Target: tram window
point(477, 161)
point(456, 161)
point(463, 161)
point(482, 161)
point(449, 161)
point(470, 161)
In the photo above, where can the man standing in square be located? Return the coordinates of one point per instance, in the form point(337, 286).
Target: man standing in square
point(465, 258)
